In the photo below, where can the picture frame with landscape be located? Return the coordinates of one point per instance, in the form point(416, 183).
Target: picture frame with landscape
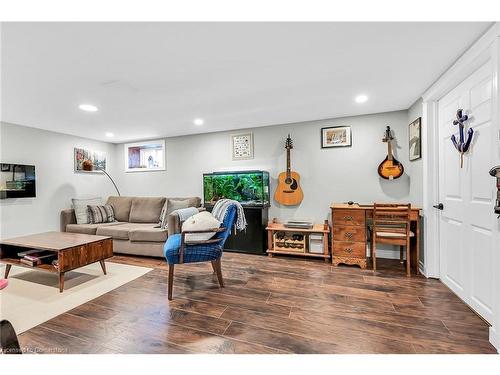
point(336, 136)
point(97, 160)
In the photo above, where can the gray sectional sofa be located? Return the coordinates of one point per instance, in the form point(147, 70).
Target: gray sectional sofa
point(135, 230)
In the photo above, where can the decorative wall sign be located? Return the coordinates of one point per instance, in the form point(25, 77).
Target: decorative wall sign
point(462, 145)
point(336, 136)
point(415, 140)
point(145, 156)
point(97, 158)
point(242, 146)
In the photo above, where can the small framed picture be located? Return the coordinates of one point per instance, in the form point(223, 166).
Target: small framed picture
point(336, 136)
point(89, 161)
point(415, 140)
point(242, 146)
point(145, 156)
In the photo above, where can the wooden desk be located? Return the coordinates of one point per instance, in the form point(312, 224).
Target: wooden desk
point(349, 237)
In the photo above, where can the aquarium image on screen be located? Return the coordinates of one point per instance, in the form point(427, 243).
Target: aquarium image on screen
point(17, 181)
point(250, 188)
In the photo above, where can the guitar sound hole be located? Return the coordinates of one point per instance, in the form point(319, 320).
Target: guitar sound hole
point(288, 181)
point(294, 184)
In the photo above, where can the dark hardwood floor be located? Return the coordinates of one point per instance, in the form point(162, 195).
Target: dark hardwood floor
point(269, 305)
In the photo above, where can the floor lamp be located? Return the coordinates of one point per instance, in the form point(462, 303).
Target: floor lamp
point(87, 165)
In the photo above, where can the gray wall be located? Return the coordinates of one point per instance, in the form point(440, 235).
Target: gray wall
point(416, 171)
point(52, 154)
point(416, 167)
point(327, 175)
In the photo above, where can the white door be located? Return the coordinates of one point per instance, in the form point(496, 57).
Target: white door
point(467, 220)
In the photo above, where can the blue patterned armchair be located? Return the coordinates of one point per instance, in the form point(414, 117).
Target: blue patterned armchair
point(177, 251)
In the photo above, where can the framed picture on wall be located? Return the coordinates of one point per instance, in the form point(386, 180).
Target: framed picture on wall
point(145, 156)
point(242, 146)
point(415, 139)
point(336, 136)
point(88, 161)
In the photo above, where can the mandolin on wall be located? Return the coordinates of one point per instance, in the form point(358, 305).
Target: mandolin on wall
point(390, 168)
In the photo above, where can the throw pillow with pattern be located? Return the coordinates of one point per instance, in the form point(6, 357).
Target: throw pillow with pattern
point(100, 214)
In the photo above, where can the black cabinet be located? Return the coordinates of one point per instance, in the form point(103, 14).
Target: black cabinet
point(253, 240)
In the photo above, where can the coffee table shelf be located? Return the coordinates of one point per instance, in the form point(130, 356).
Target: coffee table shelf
point(17, 262)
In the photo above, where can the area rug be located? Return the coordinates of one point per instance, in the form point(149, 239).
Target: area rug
point(32, 297)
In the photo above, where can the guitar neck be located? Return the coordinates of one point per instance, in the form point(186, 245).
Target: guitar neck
point(389, 150)
point(288, 169)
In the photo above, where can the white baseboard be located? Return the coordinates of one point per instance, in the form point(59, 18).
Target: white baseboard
point(495, 339)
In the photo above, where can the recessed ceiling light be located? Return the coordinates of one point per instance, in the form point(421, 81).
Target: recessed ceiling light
point(88, 107)
point(109, 134)
point(361, 98)
point(198, 121)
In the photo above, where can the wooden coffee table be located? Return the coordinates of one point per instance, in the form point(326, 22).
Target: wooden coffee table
point(73, 250)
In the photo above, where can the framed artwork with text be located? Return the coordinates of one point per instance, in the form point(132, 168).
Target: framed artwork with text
point(242, 146)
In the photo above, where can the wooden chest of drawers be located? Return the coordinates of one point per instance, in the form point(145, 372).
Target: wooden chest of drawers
point(349, 237)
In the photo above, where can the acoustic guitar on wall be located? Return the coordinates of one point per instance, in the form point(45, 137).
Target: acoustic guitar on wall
point(288, 192)
point(390, 168)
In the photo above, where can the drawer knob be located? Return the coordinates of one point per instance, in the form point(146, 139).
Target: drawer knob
point(348, 250)
point(348, 234)
point(348, 218)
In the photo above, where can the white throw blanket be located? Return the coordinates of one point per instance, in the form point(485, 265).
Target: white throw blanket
point(220, 209)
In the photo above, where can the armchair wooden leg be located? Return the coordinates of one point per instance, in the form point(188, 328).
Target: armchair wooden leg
point(214, 267)
point(170, 281)
point(218, 270)
point(408, 261)
point(374, 255)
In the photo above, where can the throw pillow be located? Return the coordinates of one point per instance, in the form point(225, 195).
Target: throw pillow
point(101, 214)
point(201, 221)
point(170, 206)
point(80, 207)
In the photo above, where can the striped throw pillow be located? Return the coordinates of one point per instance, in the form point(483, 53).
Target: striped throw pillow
point(100, 214)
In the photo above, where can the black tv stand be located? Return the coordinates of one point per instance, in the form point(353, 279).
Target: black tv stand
point(253, 240)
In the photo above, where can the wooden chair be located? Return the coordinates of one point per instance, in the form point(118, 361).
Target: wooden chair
point(391, 225)
point(178, 251)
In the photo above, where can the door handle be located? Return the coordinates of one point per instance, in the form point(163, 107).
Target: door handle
point(439, 206)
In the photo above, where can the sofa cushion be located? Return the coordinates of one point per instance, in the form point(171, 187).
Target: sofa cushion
point(115, 231)
point(101, 214)
point(146, 209)
point(201, 221)
point(80, 207)
point(122, 232)
point(148, 234)
point(172, 204)
point(121, 207)
point(88, 228)
point(193, 201)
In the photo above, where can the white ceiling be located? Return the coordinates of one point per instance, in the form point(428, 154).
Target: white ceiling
point(152, 79)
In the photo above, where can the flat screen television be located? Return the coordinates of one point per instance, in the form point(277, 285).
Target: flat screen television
point(17, 181)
